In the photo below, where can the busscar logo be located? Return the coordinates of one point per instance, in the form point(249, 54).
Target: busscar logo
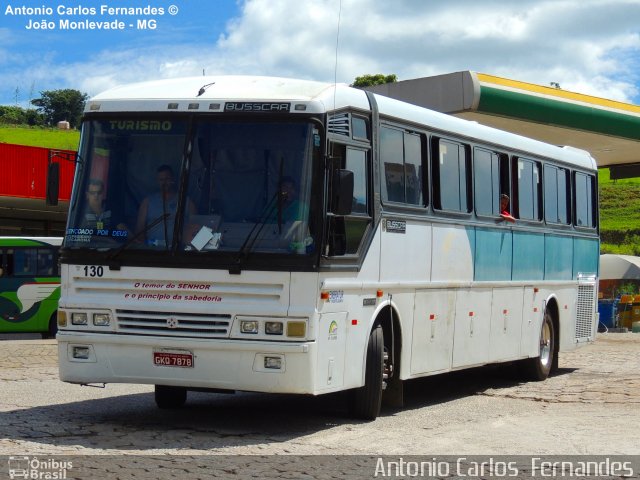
point(36, 468)
point(256, 107)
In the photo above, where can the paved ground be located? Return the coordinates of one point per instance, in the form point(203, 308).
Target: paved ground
point(591, 407)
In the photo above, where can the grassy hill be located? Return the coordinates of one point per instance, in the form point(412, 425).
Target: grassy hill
point(40, 137)
point(619, 214)
point(619, 200)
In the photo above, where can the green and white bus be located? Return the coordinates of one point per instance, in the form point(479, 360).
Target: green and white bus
point(29, 285)
point(288, 236)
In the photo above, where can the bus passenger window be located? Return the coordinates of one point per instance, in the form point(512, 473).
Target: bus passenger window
point(391, 156)
point(413, 169)
point(529, 189)
point(25, 262)
point(451, 176)
point(585, 195)
point(46, 262)
point(556, 192)
point(9, 263)
point(487, 182)
point(401, 157)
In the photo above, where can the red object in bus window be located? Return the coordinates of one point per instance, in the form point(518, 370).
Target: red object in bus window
point(507, 216)
point(100, 167)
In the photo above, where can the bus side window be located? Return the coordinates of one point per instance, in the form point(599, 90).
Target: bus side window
point(451, 175)
point(486, 177)
point(585, 205)
point(347, 232)
point(2, 264)
point(401, 157)
point(9, 263)
point(529, 188)
point(46, 262)
point(25, 262)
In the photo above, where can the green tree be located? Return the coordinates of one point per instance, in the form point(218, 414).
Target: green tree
point(19, 116)
point(377, 79)
point(60, 105)
point(34, 117)
point(12, 115)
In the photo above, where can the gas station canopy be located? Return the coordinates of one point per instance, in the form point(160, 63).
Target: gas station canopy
point(608, 129)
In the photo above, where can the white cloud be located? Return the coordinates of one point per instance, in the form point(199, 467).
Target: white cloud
point(574, 43)
point(589, 46)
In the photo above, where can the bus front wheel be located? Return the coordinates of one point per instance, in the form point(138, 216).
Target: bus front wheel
point(364, 402)
point(538, 368)
point(52, 328)
point(170, 397)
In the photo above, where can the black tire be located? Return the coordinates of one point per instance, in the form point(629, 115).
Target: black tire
point(170, 397)
point(364, 402)
point(538, 368)
point(52, 328)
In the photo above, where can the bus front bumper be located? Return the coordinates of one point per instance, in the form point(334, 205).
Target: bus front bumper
point(274, 367)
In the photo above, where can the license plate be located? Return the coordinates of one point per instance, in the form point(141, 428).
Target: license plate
point(182, 359)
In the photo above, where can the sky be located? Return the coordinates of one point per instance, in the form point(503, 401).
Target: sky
point(586, 46)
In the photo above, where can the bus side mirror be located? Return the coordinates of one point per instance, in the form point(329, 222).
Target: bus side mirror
point(342, 192)
point(53, 183)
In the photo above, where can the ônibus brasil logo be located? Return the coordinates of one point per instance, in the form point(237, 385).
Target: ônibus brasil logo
point(36, 468)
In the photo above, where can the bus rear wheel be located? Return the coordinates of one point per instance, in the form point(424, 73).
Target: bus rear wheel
point(364, 402)
point(538, 368)
point(170, 397)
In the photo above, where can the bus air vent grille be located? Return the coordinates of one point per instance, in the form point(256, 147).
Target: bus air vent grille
point(173, 324)
point(339, 124)
point(585, 311)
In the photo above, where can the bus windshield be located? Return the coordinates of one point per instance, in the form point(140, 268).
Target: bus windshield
point(211, 185)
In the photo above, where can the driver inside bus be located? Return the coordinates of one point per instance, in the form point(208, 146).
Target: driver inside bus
point(96, 216)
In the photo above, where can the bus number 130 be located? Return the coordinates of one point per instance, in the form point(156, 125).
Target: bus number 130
point(93, 271)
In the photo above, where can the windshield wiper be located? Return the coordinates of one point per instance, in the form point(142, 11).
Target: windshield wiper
point(126, 245)
point(250, 240)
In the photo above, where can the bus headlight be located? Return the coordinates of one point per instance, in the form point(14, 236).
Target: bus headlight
point(62, 318)
point(273, 328)
point(249, 326)
point(270, 328)
point(79, 318)
point(101, 319)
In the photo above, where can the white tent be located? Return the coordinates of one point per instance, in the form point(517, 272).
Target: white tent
point(619, 267)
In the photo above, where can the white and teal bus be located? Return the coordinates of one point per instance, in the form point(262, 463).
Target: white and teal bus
point(276, 235)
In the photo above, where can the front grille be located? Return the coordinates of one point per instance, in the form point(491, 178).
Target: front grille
point(585, 312)
point(173, 324)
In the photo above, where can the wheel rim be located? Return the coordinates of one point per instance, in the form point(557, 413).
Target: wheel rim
point(545, 343)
